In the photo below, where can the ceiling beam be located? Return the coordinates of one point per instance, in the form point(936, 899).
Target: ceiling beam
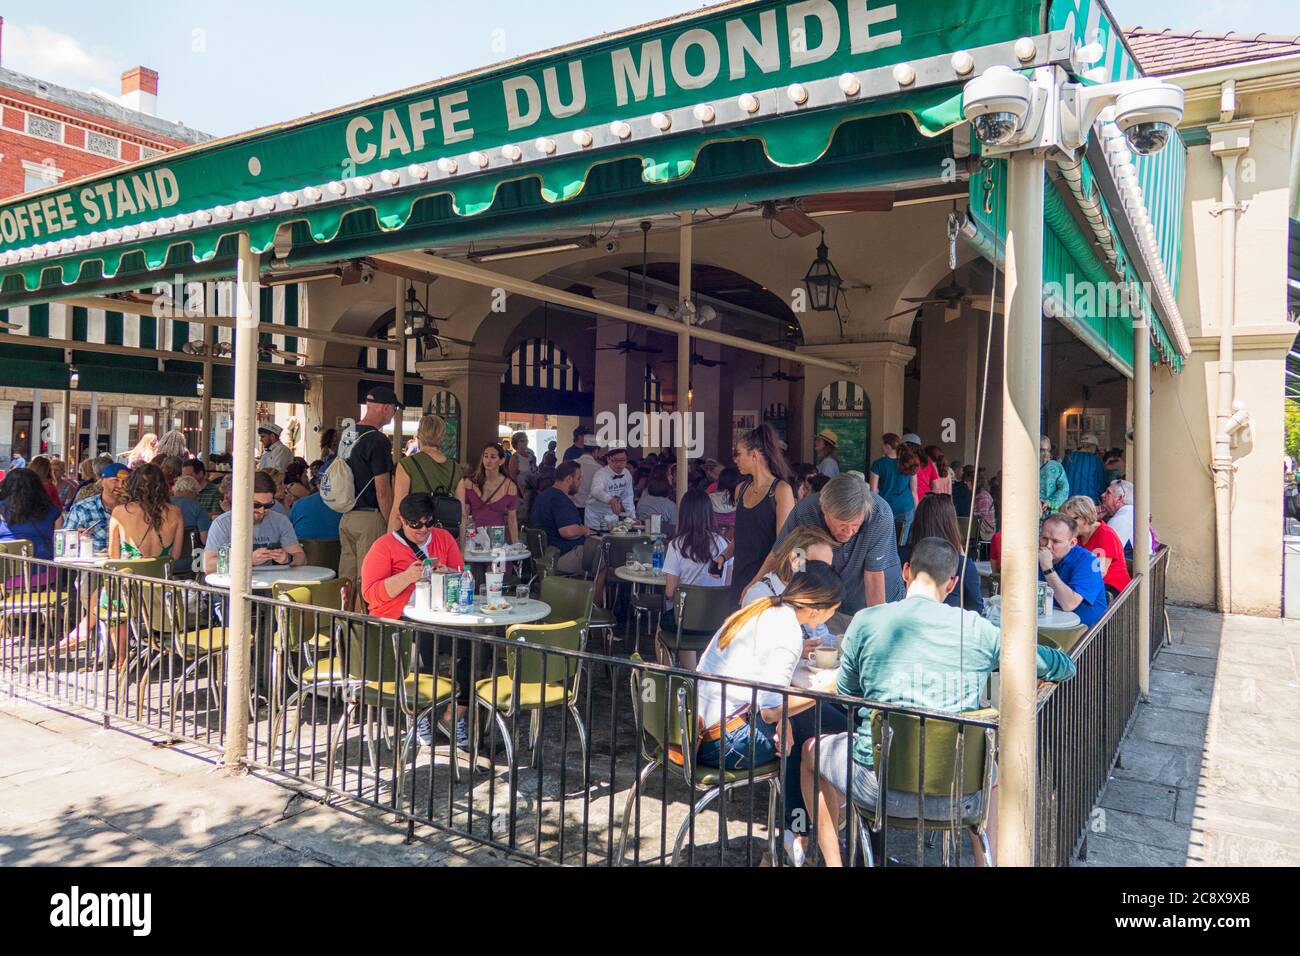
point(477, 275)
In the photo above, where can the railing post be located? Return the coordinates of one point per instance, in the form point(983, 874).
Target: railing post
point(239, 618)
point(1142, 497)
point(1021, 399)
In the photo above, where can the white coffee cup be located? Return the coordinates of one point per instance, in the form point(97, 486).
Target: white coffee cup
point(826, 657)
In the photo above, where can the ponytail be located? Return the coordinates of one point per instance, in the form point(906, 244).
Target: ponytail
point(816, 588)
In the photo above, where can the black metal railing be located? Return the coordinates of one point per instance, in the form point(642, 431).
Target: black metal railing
point(575, 758)
point(1081, 723)
point(1159, 569)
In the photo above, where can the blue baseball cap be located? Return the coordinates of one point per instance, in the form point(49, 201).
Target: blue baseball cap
point(113, 470)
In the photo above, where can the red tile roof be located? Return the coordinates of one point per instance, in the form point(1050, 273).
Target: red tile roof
point(1161, 52)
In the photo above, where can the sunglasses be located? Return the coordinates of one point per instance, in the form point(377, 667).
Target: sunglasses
point(258, 506)
point(420, 525)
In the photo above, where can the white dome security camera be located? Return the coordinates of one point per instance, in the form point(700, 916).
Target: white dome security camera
point(1148, 111)
point(997, 103)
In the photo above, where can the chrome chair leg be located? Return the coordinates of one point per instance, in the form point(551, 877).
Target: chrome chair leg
point(703, 802)
point(641, 780)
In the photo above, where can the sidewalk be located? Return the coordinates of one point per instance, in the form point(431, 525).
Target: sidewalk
point(1210, 772)
point(75, 794)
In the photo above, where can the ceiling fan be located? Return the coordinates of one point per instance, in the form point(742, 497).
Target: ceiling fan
point(273, 351)
point(796, 213)
point(545, 361)
point(779, 376)
point(422, 325)
point(953, 297)
point(10, 326)
point(216, 349)
point(698, 359)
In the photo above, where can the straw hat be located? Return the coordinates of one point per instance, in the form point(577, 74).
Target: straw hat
point(828, 436)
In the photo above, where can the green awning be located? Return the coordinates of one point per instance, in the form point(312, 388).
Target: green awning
point(560, 111)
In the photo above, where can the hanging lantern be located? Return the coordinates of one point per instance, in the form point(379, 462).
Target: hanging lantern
point(823, 282)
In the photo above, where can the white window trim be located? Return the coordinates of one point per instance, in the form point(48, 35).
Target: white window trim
point(43, 170)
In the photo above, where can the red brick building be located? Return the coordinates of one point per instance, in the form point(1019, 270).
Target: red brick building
point(51, 134)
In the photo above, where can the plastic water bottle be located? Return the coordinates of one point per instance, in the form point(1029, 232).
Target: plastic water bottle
point(466, 591)
point(657, 556)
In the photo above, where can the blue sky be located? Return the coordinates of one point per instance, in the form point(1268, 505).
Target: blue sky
point(233, 65)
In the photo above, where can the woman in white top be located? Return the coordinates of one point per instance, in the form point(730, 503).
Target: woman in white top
point(763, 643)
point(690, 557)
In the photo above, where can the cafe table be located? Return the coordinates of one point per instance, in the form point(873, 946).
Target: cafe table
point(266, 577)
point(519, 611)
point(807, 676)
point(1058, 620)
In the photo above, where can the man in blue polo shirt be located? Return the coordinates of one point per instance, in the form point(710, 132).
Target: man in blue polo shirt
point(1071, 572)
point(90, 515)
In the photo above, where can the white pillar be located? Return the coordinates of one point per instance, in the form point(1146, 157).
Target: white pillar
point(36, 425)
point(1142, 497)
point(1017, 793)
point(121, 431)
point(92, 446)
point(399, 364)
point(6, 431)
point(204, 449)
point(247, 309)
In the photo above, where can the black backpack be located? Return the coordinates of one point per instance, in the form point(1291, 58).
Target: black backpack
point(446, 507)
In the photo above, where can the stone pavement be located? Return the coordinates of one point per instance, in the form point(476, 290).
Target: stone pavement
point(75, 794)
point(1210, 772)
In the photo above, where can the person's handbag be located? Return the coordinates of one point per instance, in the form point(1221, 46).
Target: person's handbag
point(446, 507)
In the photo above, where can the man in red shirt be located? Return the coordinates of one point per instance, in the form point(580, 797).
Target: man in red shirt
point(395, 562)
point(389, 573)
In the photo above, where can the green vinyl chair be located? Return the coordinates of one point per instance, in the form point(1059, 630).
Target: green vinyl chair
point(543, 680)
point(663, 707)
point(699, 612)
point(308, 651)
point(322, 553)
point(570, 599)
point(950, 792)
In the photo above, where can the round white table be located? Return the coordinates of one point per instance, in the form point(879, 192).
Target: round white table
point(265, 578)
point(519, 612)
point(1058, 620)
point(98, 561)
point(820, 679)
point(485, 557)
point(652, 578)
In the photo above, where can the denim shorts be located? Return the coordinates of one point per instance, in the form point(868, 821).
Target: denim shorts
point(833, 762)
point(733, 748)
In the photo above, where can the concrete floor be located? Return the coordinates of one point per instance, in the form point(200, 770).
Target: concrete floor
point(1210, 772)
point(74, 794)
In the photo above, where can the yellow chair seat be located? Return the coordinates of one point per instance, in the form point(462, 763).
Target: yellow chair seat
point(17, 603)
point(325, 671)
point(420, 692)
point(706, 776)
point(531, 695)
point(204, 640)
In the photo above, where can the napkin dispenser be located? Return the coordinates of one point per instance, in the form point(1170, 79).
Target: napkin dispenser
point(438, 589)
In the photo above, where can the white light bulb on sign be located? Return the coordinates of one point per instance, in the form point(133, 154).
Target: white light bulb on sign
point(147, 228)
point(129, 232)
point(850, 85)
point(962, 63)
point(620, 129)
point(183, 221)
point(662, 122)
point(312, 194)
point(748, 102)
point(581, 138)
point(798, 93)
point(266, 204)
point(447, 166)
point(243, 207)
point(337, 188)
point(390, 177)
point(904, 74)
point(512, 152)
point(418, 171)
point(479, 158)
point(704, 112)
point(544, 145)
point(363, 183)
point(203, 217)
point(1025, 49)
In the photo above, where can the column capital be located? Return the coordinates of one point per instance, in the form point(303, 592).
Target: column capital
point(460, 367)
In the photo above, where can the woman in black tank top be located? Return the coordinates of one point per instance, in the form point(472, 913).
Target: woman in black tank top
point(763, 502)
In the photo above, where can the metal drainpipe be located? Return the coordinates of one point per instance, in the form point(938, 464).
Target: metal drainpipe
point(685, 237)
point(1222, 465)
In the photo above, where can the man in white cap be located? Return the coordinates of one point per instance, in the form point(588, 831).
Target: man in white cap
point(275, 453)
